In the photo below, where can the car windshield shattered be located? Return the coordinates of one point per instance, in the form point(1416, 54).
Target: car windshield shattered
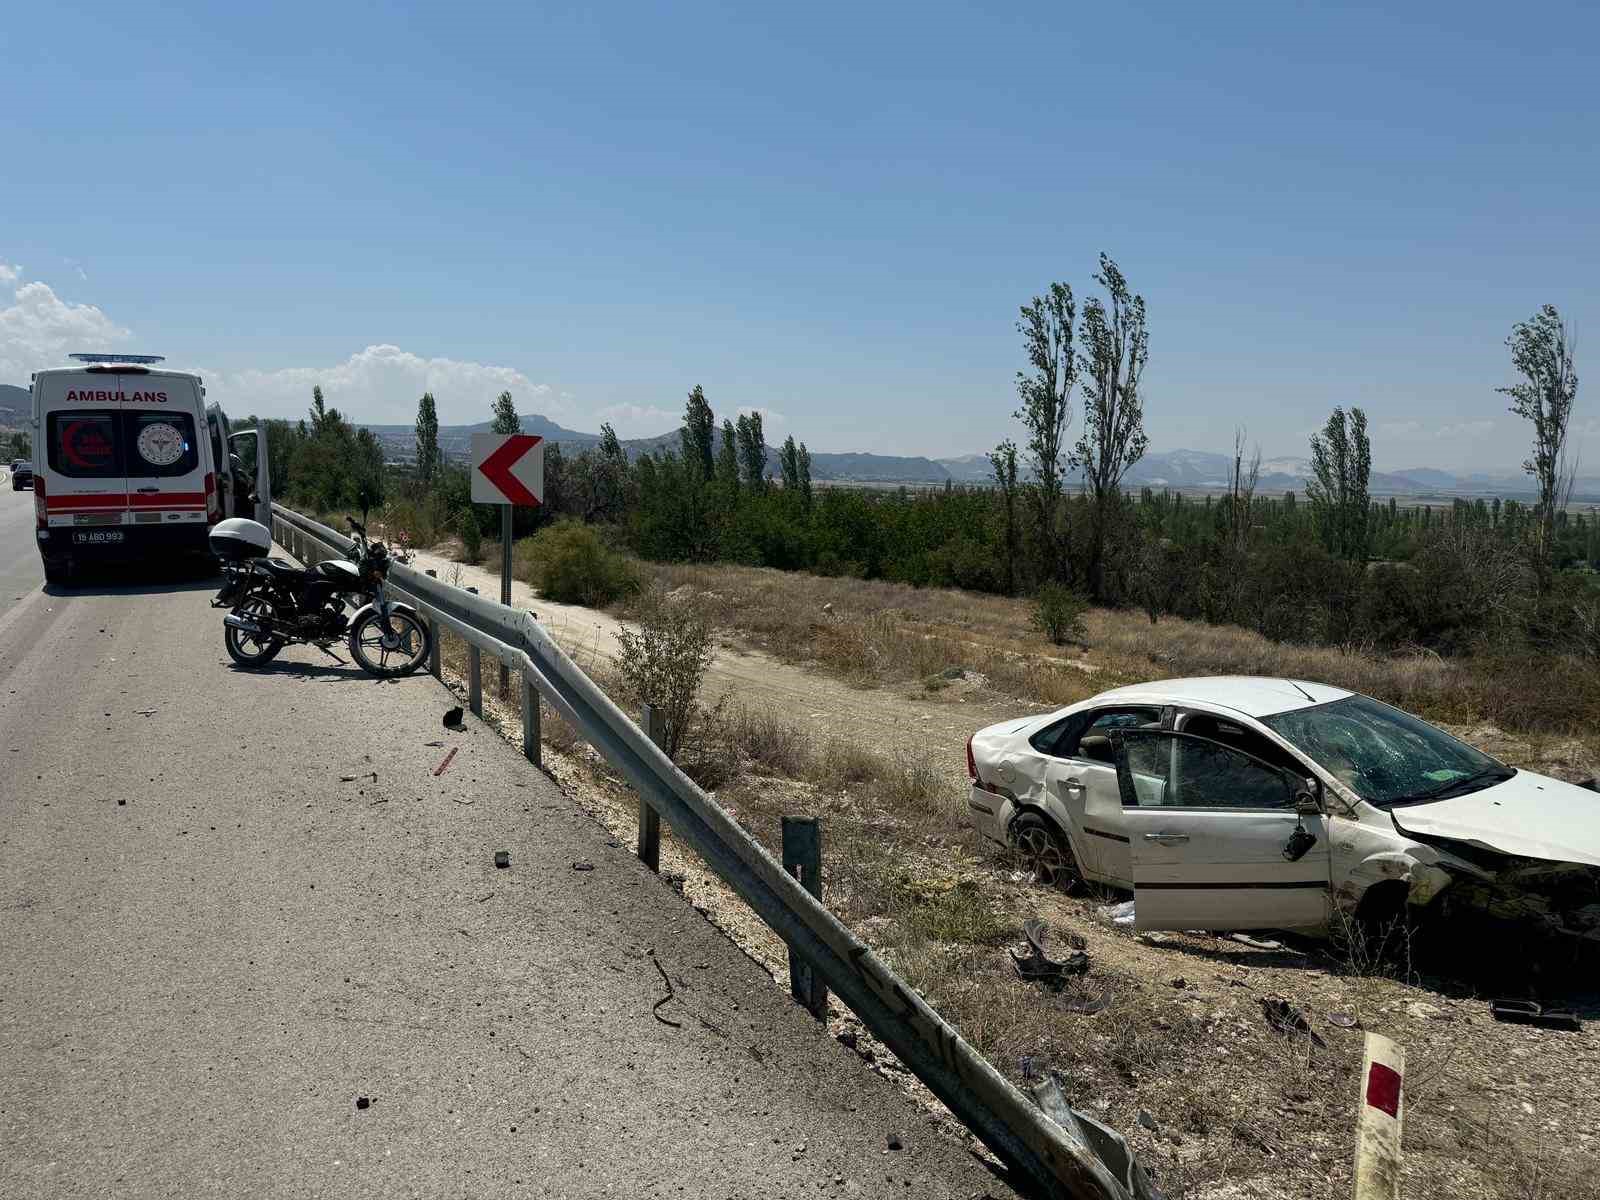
point(1385, 756)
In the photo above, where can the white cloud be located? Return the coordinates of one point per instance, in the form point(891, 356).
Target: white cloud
point(382, 384)
point(39, 329)
point(638, 420)
point(1400, 428)
point(1466, 429)
point(769, 416)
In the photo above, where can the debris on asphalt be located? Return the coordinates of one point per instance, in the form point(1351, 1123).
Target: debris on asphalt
point(372, 775)
point(894, 1142)
point(121, 802)
point(655, 1009)
point(363, 1101)
point(1038, 967)
point(435, 742)
point(583, 866)
point(502, 859)
point(1244, 939)
point(145, 712)
point(439, 770)
point(1285, 1018)
point(452, 719)
point(1531, 1012)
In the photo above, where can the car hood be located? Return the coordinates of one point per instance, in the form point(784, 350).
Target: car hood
point(1530, 816)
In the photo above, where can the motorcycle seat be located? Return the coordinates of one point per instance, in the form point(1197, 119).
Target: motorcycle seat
point(279, 569)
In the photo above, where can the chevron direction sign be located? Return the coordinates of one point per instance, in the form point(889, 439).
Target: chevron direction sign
point(507, 468)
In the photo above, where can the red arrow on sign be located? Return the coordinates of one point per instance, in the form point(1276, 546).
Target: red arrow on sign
point(497, 468)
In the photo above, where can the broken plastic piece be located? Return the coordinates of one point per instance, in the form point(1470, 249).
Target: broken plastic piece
point(452, 719)
point(502, 859)
point(1285, 1018)
point(1038, 966)
point(1244, 939)
point(1531, 1012)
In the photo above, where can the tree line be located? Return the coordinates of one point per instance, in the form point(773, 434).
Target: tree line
point(1328, 565)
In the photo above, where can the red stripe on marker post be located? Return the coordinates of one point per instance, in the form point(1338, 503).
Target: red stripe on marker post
point(1383, 1089)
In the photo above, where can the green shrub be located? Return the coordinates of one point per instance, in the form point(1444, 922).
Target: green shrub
point(1058, 614)
point(471, 536)
point(571, 565)
point(665, 659)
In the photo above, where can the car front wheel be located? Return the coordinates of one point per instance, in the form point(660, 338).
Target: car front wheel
point(1044, 853)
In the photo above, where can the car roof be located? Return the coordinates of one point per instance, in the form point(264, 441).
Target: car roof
point(1252, 695)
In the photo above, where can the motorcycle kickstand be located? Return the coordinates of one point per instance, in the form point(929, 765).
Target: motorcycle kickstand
point(324, 647)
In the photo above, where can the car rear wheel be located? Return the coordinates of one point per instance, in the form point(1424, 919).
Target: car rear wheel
point(1044, 852)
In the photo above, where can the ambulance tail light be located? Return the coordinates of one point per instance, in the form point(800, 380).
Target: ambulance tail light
point(41, 509)
point(213, 503)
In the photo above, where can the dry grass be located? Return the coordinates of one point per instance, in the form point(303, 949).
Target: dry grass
point(871, 632)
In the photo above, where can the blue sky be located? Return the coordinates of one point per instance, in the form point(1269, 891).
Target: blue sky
point(827, 212)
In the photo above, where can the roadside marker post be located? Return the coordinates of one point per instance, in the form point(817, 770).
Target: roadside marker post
point(1380, 1118)
point(507, 469)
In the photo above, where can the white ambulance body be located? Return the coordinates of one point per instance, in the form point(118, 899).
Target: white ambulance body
point(130, 463)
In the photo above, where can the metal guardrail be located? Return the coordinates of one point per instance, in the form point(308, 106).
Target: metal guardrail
point(1078, 1158)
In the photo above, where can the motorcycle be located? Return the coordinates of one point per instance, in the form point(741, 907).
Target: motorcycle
point(274, 604)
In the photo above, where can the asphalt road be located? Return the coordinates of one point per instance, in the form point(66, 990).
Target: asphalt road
point(20, 569)
point(218, 931)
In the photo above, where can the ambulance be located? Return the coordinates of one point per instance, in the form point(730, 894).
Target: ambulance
point(131, 463)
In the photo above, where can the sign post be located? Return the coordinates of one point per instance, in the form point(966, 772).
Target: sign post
point(507, 469)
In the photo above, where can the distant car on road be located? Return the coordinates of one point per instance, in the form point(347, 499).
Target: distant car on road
point(1258, 803)
point(21, 475)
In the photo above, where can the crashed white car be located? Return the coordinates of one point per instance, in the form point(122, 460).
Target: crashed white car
point(1255, 803)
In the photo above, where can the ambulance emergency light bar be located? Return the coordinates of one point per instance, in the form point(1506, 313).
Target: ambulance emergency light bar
point(119, 358)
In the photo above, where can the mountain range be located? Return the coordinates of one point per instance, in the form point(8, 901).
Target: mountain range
point(1180, 470)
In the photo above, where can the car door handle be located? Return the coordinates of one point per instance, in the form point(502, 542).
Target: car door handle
point(1167, 839)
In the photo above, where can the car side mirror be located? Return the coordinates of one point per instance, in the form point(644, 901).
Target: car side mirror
point(1306, 797)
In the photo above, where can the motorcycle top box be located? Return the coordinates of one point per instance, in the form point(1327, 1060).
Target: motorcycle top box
point(239, 538)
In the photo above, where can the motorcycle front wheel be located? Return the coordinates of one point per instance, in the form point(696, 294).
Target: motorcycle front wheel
point(387, 655)
point(248, 649)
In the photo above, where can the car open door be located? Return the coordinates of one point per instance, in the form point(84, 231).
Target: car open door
point(251, 447)
point(1219, 839)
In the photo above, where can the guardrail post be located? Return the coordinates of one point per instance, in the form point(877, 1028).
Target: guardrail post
point(437, 630)
point(655, 728)
point(530, 721)
point(802, 858)
point(475, 679)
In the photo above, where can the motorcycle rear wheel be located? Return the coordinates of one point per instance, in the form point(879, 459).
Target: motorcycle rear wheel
point(247, 649)
point(389, 656)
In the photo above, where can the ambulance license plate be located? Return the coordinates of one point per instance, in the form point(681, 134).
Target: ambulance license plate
point(96, 537)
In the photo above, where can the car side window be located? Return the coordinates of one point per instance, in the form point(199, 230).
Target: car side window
point(1092, 741)
point(1241, 737)
point(1185, 771)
